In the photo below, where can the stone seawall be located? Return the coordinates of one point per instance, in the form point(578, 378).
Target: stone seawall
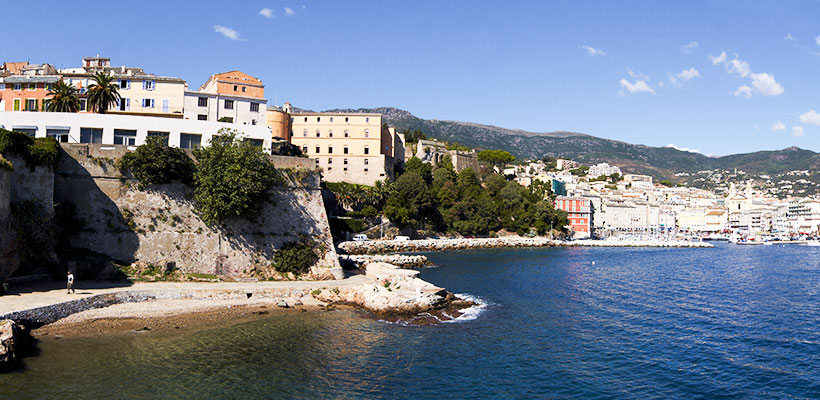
point(400, 246)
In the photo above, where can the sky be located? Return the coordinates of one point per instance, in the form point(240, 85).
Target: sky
point(717, 77)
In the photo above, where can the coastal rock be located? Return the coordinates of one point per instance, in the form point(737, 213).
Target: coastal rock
point(401, 260)
point(9, 344)
point(282, 304)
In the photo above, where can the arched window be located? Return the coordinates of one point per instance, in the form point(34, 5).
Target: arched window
point(347, 134)
point(318, 133)
point(330, 133)
point(367, 133)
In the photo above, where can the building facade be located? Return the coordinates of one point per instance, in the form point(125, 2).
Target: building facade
point(26, 87)
point(349, 147)
point(579, 214)
point(233, 97)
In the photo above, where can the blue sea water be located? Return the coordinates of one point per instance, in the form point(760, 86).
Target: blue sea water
point(576, 323)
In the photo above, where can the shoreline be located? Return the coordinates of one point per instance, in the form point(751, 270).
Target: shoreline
point(381, 247)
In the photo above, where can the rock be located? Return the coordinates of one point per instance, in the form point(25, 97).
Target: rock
point(282, 304)
point(297, 302)
point(9, 344)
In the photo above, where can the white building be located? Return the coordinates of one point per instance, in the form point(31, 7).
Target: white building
point(202, 106)
point(131, 130)
point(603, 169)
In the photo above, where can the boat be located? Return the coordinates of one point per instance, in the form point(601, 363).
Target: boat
point(813, 243)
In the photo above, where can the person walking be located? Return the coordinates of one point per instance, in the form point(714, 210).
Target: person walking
point(70, 284)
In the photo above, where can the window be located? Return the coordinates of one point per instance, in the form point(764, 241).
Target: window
point(345, 169)
point(202, 102)
point(147, 103)
point(366, 133)
point(28, 130)
point(304, 149)
point(330, 168)
point(318, 133)
point(32, 86)
point(91, 135)
point(318, 119)
point(365, 161)
point(329, 149)
point(330, 161)
point(189, 140)
point(367, 120)
point(317, 161)
point(83, 105)
point(345, 162)
point(305, 119)
point(60, 134)
point(202, 117)
point(163, 135)
point(18, 86)
point(229, 104)
point(330, 133)
point(347, 134)
point(127, 137)
point(125, 84)
point(243, 89)
point(254, 107)
point(124, 104)
point(31, 104)
point(304, 133)
point(166, 105)
point(149, 85)
point(365, 170)
point(345, 151)
point(317, 149)
point(366, 150)
point(331, 119)
point(346, 119)
point(16, 104)
point(48, 86)
point(235, 87)
point(256, 142)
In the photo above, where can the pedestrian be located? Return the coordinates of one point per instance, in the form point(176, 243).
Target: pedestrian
point(70, 284)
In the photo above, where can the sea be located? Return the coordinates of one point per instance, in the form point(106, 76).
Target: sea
point(730, 322)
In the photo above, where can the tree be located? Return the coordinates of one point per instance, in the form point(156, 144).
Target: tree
point(495, 157)
point(424, 170)
point(156, 163)
point(410, 201)
point(232, 178)
point(103, 93)
point(63, 98)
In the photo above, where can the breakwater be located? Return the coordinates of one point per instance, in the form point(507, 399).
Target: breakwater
point(399, 246)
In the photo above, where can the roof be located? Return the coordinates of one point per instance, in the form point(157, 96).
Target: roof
point(14, 67)
point(232, 96)
point(31, 79)
point(305, 114)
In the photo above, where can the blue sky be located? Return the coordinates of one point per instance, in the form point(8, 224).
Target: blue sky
point(715, 76)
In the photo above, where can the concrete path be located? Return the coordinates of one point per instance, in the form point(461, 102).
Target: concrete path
point(32, 296)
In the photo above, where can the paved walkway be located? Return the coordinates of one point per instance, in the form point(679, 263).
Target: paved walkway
point(31, 296)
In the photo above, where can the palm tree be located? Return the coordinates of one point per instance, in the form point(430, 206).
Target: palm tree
point(64, 98)
point(103, 93)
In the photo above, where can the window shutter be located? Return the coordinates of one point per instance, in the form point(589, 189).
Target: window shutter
point(152, 103)
point(128, 84)
point(127, 104)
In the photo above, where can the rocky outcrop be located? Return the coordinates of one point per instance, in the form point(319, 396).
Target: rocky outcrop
point(9, 344)
point(399, 246)
point(400, 260)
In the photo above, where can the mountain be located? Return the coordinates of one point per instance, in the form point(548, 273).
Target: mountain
point(661, 162)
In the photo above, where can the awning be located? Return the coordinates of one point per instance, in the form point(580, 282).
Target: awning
point(26, 127)
point(59, 128)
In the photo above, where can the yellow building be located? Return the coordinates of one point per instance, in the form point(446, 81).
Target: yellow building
point(349, 147)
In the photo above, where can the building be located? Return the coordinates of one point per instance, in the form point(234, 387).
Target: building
point(232, 96)
point(603, 169)
point(130, 130)
point(26, 87)
point(141, 93)
point(579, 214)
point(349, 147)
point(433, 152)
point(278, 120)
point(562, 164)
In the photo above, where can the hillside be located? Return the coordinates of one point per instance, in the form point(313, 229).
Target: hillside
point(661, 162)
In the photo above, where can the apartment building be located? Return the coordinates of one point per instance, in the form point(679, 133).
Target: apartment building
point(129, 130)
point(579, 214)
point(25, 87)
point(141, 93)
point(232, 96)
point(349, 147)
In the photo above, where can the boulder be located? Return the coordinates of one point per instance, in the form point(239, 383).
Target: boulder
point(9, 343)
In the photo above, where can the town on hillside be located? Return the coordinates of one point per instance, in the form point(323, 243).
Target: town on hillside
point(446, 189)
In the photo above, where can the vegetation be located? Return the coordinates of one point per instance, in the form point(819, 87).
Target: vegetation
point(39, 151)
point(63, 98)
point(157, 163)
point(224, 119)
point(103, 93)
point(231, 179)
point(413, 136)
point(6, 164)
point(355, 197)
point(495, 157)
point(295, 257)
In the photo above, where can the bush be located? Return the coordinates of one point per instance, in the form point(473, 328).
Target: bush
point(295, 257)
point(6, 164)
point(232, 178)
point(39, 151)
point(156, 163)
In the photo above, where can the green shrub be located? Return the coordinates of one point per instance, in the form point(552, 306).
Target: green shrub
point(295, 257)
point(6, 164)
point(45, 151)
point(232, 178)
point(39, 151)
point(156, 163)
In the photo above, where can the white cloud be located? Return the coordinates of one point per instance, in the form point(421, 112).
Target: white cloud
point(766, 85)
point(810, 117)
point(591, 51)
point(684, 76)
point(817, 40)
point(721, 59)
point(690, 47)
point(686, 149)
point(266, 12)
point(798, 131)
point(289, 12)
point(740, 67)
point(227, 32)
point(777, 127)
point(637, 87)
point(789, 37)
point(744, 90)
